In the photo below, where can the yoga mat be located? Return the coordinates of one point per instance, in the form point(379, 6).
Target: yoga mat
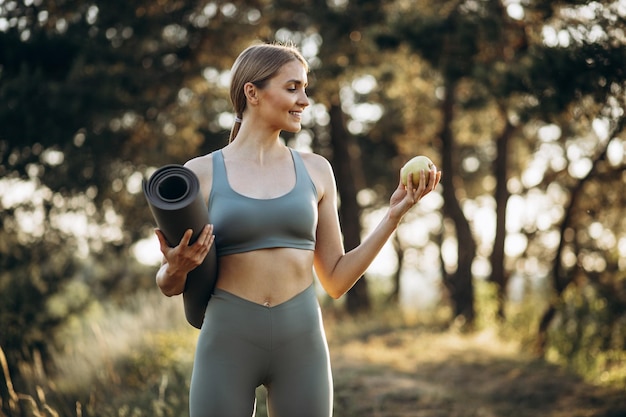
point(173, 194)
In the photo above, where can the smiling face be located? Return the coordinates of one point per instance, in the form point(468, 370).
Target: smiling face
point(282, 100)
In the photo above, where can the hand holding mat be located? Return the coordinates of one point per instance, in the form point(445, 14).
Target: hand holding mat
point(174, 197)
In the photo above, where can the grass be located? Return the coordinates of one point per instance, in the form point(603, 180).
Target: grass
point(137, 361)
point(419, 372)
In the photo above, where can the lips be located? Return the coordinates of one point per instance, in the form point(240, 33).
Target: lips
point(296, 114)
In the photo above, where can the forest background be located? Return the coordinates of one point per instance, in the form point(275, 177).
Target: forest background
point(519, 102)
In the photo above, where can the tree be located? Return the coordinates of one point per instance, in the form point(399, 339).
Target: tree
point(99, 93)
point(96, 93)
point(445, 38)
point(344, 53)
point(577, 78)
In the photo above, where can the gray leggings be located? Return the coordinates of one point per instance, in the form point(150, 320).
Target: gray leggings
point(243, 345)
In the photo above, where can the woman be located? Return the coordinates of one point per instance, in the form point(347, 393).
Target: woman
point(274, 218)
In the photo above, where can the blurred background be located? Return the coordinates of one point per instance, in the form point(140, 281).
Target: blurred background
point(519, 102)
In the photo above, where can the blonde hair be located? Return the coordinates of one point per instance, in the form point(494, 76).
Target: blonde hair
point(257, 64)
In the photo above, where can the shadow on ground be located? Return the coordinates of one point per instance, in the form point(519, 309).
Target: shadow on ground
point(413, 373)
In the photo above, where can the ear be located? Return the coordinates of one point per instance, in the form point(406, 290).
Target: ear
point(251, 92)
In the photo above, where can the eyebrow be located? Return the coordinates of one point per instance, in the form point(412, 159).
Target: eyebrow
point(297, 82)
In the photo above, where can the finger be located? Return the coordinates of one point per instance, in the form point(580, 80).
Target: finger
point(409, 181)
point(204, 234)
point(414, 180)
point(432, 178)
point(184, 241)
point(164, 245)
point(210, 235)
point(424, 184)
point(410, 188)
point(434, 174)
point(207, 238)
point(416, 188)
point(207, 233)
point(435, 178)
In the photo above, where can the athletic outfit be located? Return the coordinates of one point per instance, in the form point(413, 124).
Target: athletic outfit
point(243, 344)
point(243, 224)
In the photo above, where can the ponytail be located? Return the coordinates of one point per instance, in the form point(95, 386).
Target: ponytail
point(235, 129)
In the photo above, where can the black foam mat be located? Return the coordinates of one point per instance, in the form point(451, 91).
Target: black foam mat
point(174, 197)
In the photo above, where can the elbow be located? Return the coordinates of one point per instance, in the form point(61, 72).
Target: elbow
point(168, 284)
point(168, 290)
point(333, 286)
point(335, 293)
point(335, 296)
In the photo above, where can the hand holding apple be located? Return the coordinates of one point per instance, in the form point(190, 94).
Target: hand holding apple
point(414, 166)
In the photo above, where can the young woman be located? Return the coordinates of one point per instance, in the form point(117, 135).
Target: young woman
point(274, 219)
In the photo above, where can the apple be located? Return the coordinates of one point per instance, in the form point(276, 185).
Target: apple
point(414, 166)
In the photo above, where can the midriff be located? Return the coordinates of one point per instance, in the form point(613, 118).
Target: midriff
point(268, 276)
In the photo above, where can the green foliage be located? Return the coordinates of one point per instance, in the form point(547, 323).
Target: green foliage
point(117, 360)
point(91, 94)
point(96, 93)
point(521, 318)
point(135, 360)
point(153, 380)
point(589, 337)
point(24, 291)
point(486, 299)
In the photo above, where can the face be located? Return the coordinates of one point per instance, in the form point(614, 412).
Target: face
point(284, 98)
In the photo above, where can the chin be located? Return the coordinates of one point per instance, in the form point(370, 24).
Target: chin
point(293, 129)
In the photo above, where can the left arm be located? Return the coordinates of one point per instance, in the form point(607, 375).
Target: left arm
point(338, 271)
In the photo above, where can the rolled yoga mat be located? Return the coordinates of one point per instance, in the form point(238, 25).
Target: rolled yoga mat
point(173, 194)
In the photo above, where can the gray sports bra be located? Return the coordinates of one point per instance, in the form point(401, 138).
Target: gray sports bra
point(243, 224)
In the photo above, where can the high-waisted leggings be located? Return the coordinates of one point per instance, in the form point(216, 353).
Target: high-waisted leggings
point(243, 345)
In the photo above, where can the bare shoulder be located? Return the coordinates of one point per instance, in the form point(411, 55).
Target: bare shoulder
point(316, 163)
point(202, 166)
point(320, 170)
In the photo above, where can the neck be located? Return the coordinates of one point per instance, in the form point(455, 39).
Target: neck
point(255, 149)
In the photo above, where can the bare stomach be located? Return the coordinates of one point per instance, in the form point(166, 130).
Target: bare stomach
point(268, 276)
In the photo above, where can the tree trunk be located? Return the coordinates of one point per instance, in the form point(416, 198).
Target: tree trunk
point(458, 283)
point(344, 165)
point(561, 278)
point(499, 275)
point(394, 295)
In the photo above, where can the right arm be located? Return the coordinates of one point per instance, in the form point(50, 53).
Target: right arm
point(178, 261)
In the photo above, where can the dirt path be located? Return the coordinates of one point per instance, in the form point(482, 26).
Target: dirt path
point(422, 373)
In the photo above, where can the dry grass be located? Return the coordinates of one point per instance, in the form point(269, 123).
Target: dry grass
point(110, 335)
point(137, 362)
point(419, 371)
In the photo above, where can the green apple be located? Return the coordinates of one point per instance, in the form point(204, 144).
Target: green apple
point(414, 166)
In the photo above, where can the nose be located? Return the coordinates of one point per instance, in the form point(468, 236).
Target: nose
point(303, 99)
